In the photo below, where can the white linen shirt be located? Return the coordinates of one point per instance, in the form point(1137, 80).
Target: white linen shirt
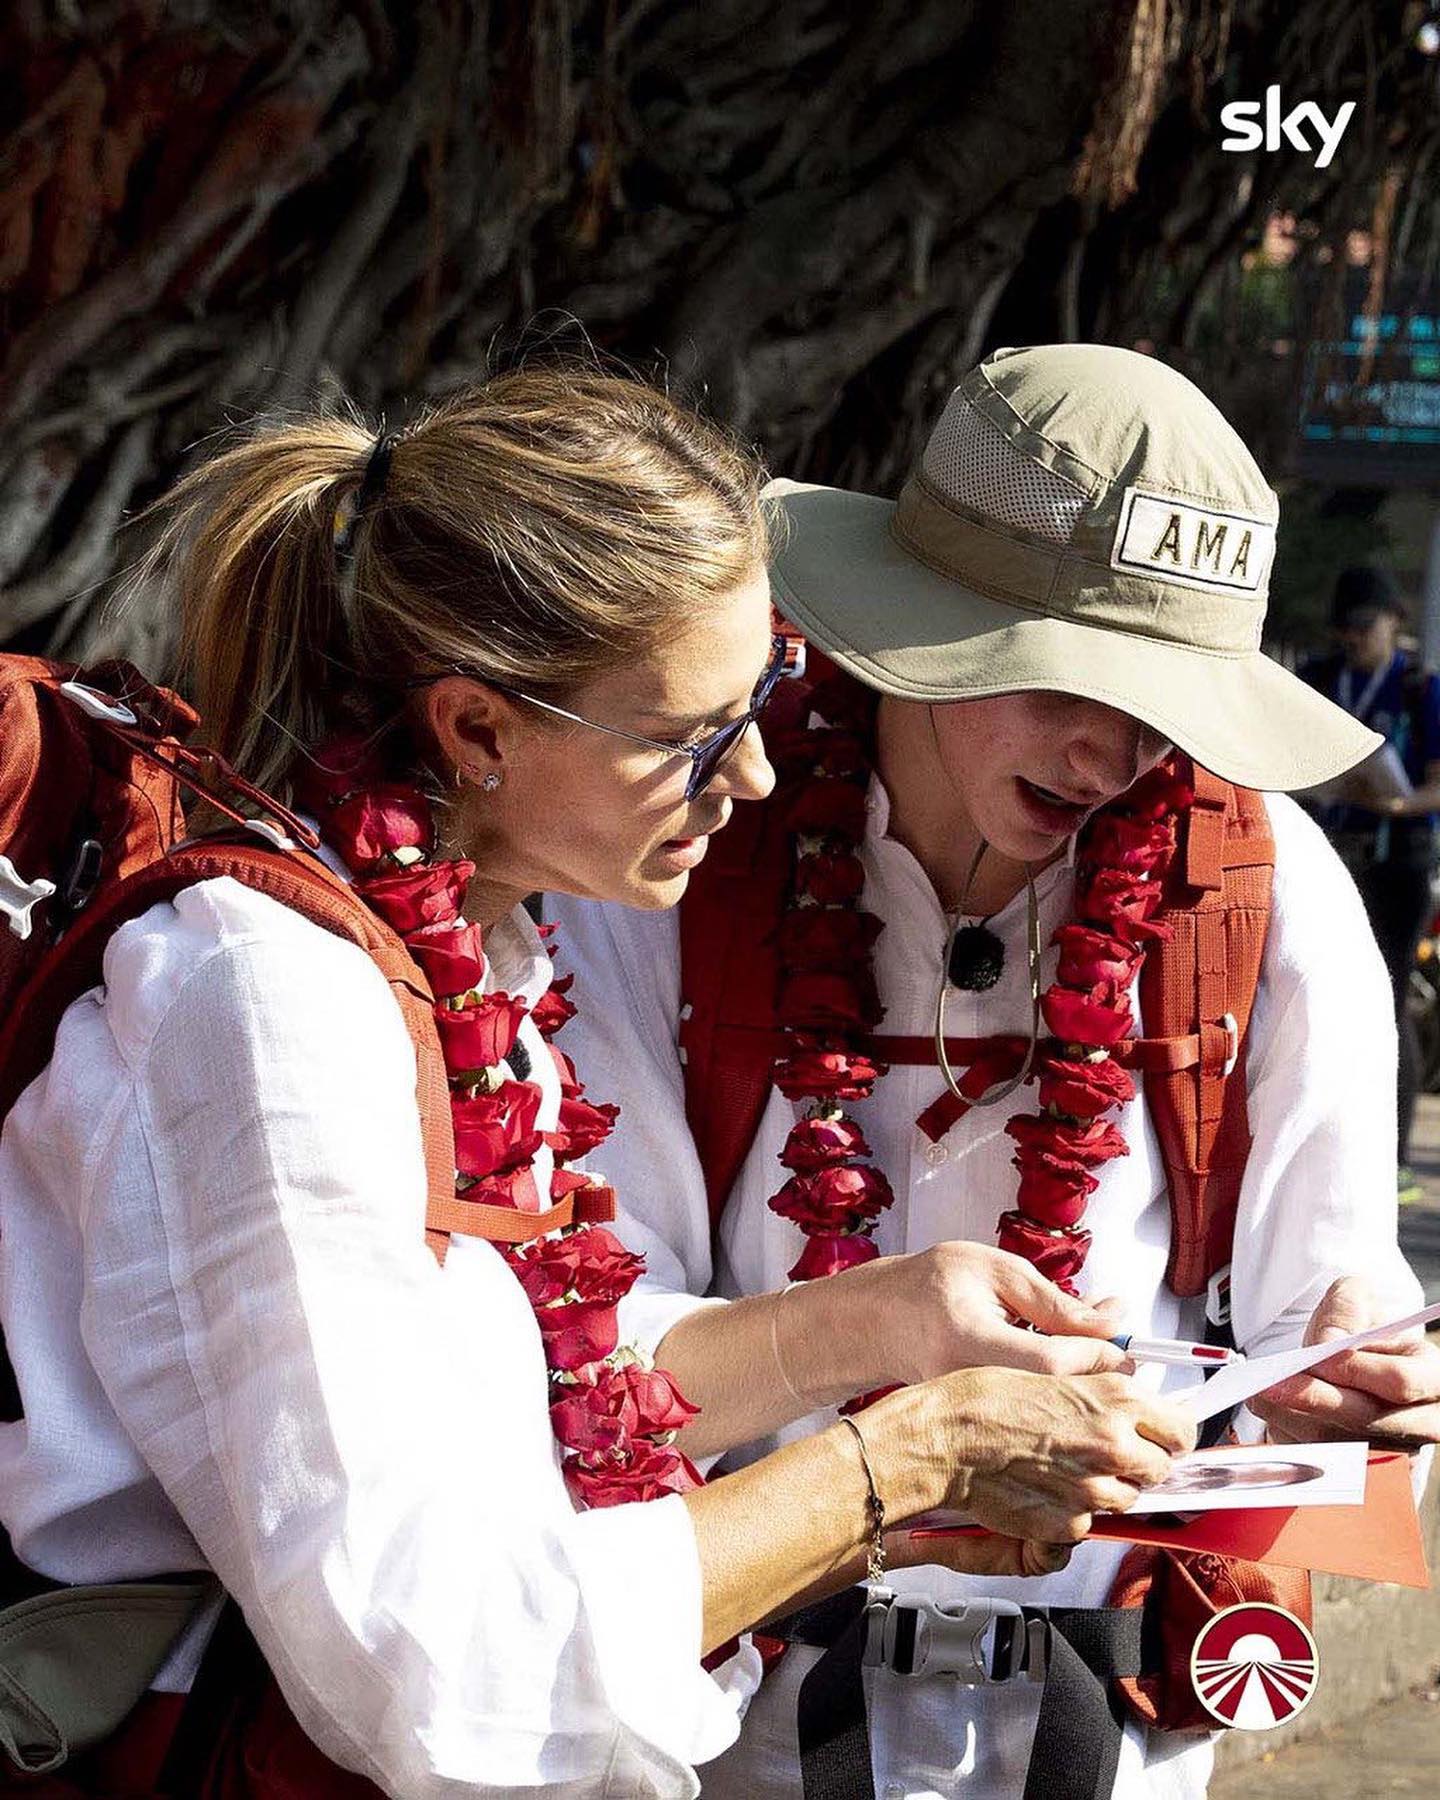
point(234, 1350)
point(1318, 1200)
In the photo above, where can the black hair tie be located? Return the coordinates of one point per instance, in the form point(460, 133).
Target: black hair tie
point(354, 507)
point(377, 471)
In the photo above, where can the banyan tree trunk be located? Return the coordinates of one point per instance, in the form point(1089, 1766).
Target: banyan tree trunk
point(809, 215)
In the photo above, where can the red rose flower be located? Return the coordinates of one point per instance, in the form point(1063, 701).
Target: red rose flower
point(580, 1421)
point(592, 1262)
point(1051, 1192)
point(509, 1187)
point(577, 1332)
point(451, 956)
point(1138, 845)
point(829, 877)
point(818, 1002)
point(479, 1035)
point(1088, 957)
point(366, 824)
point(1083, 1090)
point(429, 894)
point(833, 1199)
point(826, 937)
point(1060, 1257)
point(815, 1143)
point(645, 1472)
point(1124, 904)
point(339, 767)
point(647, 1400)
point(496, 1132)
point(620, 1406)
point(1097, 1141)
point(858, 1187)
point(583, 1128)
point(828, 808)
point(552, 1010)
point(1097, 1016)
point(1158, 792)
point(830, 1252)
point(827, 1075)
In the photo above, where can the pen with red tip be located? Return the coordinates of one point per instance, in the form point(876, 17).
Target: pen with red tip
point(1176, 1352)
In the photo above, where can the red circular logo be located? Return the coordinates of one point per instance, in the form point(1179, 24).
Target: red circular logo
point(1254, 1666)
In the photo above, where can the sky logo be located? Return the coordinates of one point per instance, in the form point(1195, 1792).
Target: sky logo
point(1242, 119)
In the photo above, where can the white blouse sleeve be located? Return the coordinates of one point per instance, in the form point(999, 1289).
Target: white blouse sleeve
point(1318, 1197)
point(626, 965)
point(357, 1439)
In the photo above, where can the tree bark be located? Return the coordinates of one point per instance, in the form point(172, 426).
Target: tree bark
point(810, 217)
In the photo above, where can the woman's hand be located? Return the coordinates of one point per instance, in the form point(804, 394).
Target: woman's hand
point(962, 1306)
point(1030, 1456)
point(1388, 1391)
point(1027, 1455)
point(754, 1364)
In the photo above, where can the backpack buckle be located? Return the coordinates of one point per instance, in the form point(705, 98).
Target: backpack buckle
point(977, 1643)
point(19, 897)
point(1232, 1041)
point(1217, 1298)
point(97, 705)
point(271, 832)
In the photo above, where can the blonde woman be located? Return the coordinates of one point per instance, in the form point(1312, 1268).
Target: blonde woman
point(531, 632)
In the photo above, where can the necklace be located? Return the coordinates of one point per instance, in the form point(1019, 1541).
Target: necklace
point(828, 1004)
point(975, 955)
point(613, 1413)
point(1002, 1089)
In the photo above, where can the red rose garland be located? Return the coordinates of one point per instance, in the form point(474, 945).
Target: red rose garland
point(828, 1005)
point(827, 994)
point(614, 1415)
point(1121, 860)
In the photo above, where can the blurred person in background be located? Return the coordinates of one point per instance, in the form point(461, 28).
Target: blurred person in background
point(1386, 838)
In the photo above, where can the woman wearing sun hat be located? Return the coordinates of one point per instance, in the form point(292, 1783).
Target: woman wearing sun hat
point(1072, 582)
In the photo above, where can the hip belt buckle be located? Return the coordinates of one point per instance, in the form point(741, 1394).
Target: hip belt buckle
point(980, 1642)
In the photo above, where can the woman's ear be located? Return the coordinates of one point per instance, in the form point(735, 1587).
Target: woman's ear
point(471, 726)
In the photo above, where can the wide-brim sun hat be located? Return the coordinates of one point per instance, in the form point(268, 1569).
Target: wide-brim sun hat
point(1085, 521)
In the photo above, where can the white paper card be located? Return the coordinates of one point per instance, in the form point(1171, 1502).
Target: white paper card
point(1238, 1383)
point(1260, 1475)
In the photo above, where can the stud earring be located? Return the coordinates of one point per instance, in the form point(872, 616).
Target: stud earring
point(491, 782)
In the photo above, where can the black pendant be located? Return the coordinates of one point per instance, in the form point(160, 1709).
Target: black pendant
point(976, 958)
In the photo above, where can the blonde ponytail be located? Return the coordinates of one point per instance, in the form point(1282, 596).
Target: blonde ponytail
point(539, 529)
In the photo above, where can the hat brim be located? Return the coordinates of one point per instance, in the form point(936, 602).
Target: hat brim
point(904, 629)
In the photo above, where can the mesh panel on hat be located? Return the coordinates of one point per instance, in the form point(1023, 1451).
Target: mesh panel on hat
point(973, 461)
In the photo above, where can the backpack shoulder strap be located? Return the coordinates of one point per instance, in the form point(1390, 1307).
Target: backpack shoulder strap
point(304, 884)
point(1200, 982)
point(729, 971)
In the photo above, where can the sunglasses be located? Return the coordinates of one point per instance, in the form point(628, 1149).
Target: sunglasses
point(706, 756)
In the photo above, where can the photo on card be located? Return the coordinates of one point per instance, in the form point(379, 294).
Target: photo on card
point(1251, 1475)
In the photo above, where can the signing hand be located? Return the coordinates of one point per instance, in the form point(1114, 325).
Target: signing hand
point(964, 1306)
point(1032, 1456)
point(1388, 1391)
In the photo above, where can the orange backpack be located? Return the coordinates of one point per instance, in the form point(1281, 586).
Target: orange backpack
point(1197, 989)
point(91, 835)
